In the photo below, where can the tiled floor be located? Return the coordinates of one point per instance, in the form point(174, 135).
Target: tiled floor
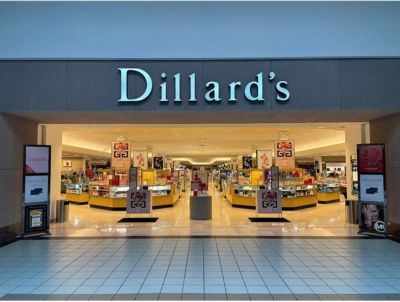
point(200, 268)
point(323, 220)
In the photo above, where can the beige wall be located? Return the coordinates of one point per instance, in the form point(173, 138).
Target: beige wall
point(53, 137)
point(387, 130)
point(14, 133)
point(78, 164)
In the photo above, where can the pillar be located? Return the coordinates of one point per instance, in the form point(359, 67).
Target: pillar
point(353, 133)
point(387, 130)
point(14, 133)
point(319, 159)
point(53, 137)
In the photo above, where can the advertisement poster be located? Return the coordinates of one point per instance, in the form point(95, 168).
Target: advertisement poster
point(284, 154)
point(247, 162)
point(120, 155)
point(372, 188)
point(158, 162)
point(36, 188)
point(269, 201)
point(371, 158)
point(264, 159)
point(37, 160)
point(35, 218)
point(67, 163)
point(140, 159)
point(372, 218)
point(168, 162)
point(138, 201)
point(201, 177)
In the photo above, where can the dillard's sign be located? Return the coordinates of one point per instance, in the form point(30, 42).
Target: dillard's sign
point(253, 91)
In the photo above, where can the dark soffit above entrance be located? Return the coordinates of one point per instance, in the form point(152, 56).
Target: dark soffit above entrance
point(309, 116)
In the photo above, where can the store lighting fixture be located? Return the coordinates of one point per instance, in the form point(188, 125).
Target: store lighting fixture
point(193, 162)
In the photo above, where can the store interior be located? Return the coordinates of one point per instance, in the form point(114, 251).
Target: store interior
point(313, 190)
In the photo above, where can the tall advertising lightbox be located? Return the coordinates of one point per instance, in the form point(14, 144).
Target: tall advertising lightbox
point(36, 188)
point(372, 188)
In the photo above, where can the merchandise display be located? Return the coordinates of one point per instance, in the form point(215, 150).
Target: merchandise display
point(106, 196)
point(77, 193)
point(298, 196)
point(242, 195)
point(328, 190)
point(297, 189)
point(164, 195)
point(238, 180)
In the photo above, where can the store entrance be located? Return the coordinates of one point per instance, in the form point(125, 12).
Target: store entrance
point(228, 159)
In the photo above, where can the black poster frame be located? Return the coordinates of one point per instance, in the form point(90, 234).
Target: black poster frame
point(42, 205)
point(361, 202)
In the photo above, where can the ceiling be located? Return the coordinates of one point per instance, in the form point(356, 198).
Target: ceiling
point(202, 143)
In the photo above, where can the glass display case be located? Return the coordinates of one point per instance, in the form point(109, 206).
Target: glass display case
point(328, 190)
point(245, 190)
point(297, 195)
point(160, 190)
point(76, 188)
point(119, 191)
point(77, 193)
point(109, 191)
point(298, 190)
point(99, 190)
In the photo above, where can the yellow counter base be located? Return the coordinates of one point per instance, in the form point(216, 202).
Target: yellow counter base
point(107, 203)
point(300, 202)
point(243, 201)
point(328, 197)
point(119, 204)
point(77, 198)
point(162, 201)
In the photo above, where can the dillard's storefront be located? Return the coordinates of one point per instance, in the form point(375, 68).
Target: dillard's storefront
point(193, 91)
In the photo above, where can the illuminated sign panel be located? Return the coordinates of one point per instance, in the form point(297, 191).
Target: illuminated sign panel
point(252, 90)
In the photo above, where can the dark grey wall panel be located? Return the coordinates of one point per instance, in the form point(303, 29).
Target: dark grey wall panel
point(312, 83)
point(370, 83)
point(15, 132)
point(33, 85)
point(94, 86)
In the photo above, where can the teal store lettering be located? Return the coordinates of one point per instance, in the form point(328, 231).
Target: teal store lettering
point(252, 91)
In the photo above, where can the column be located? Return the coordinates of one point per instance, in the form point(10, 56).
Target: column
point(319, 159)
point(53, 137)
point(352, 138)
point(14, 133)
point(387, 130)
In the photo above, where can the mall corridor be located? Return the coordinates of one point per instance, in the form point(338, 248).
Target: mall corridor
point(200, 268)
